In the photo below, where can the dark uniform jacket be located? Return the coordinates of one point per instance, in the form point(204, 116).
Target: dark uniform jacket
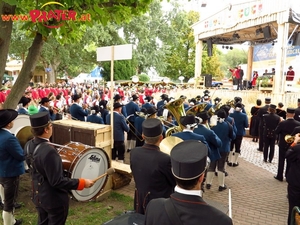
point(152, 174)
point(77, 112)
point(297, 114)
point(262, 111)
point(270, 122)
point(191, 209)
point(284, 128)
point(293, 158)
point(49, 185)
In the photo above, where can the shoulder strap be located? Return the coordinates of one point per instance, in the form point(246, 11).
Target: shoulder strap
point(171, 211)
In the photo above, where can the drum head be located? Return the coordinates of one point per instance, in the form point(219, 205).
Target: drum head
point(22, 129)
point(92, 163)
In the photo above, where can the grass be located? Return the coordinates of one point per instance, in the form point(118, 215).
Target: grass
point(84, 212)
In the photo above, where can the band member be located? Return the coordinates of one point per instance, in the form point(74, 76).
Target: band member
point(11, 165)
point(285, 127)
point(254, 122)
point(241, 122)
point(293, 175)
point(49, 185)
point(281, 112)
point(45, 107)
point(190, 123)
point(23, 105)
point(118, 98)
point(77, 111)
point(224, 131)
point(270, 122)
point(94, 117)
point(132, 107)
point(263, 110)
point(160, 104)
point(185, 205)
point(297, 111)
point(120, 127)
point(138, 126)
point(148, 102)
point(155, 181)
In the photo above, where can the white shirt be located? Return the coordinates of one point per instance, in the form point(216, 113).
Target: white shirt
point(188, 192)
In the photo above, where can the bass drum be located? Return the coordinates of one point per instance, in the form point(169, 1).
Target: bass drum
point(22, 129)
point(83, 161)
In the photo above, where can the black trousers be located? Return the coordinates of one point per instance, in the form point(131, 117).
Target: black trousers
point(131, 133)
point(269, 143)
point(281, 161)
point(239, 84)
point(11, 186)
point(118, 150)
point(294, 200)
point(237, 142)
point(56, 216)
point(139, 141)
point(260, 139)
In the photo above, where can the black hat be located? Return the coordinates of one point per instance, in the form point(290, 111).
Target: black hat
point(272, 106)
point(290, 110)
point(222, 114)
point(206, 97)
point(238, 99)
point(96, 108)
point(280, 104)
point(296, 131)
point(117, 105)
point(6, 116)
point(198, 97)
point(141, 113)
point(151, 111)
point(43, 100)
point(203, 115)
point(117, 97)
point(298, 100)
point(267, 100)
point(40, 119)
point(290, 67)
point(238, 105)
point(152, 127)
point(134, 97)
point(148, 98)
point(164, 96)
point(188, 164)
point(182, 96)
point(206, 92)
point(24, 101)
point(217, 99)
point(188, 120)
point(76, 97)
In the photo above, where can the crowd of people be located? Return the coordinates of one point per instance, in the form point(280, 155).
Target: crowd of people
point(215, 130)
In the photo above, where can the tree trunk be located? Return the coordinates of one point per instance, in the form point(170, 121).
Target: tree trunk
point(26, 73)
point(5, 35)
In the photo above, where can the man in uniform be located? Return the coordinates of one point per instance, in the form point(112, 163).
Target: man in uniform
point(293, 175)
point(49, 185)
point(270, 122)
point(297, 111)
point(284, 128)
point(263, 110)
point(150, 167)
point(186, 205)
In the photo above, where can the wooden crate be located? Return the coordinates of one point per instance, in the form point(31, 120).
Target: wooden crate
point(98, 135)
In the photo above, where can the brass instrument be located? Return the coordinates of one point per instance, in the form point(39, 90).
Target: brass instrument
point(197, 108)
point(289, 138)
point(176, 107)
point(231, 103)
point(168, 143)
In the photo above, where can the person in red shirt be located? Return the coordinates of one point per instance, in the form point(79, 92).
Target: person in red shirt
point(290, 74)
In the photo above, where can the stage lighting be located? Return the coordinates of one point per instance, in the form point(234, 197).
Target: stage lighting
point(235, 36)
point(259, 31)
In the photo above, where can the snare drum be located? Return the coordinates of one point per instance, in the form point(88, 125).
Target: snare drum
point(83, 161)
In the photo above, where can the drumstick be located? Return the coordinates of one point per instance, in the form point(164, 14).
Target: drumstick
point(110, 171)
point(229, 203)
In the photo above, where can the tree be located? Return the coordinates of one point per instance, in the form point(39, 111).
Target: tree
point(211, 65)
point(148, 33)
point(68, 31)
point(181, 57)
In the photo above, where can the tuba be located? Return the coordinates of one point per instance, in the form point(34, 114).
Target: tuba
point(177, 109)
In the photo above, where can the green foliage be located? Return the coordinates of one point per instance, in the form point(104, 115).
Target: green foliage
point(181, 56)
point(231, 59)
point(211, 65)
point(144, 77)
point(123, 70)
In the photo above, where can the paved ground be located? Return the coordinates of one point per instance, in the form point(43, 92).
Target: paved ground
point(257, 198)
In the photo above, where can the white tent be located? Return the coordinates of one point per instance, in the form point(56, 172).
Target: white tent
point(81, 78)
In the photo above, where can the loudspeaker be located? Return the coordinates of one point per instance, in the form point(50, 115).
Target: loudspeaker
point(267, 32)
point(296, 40)
point(208, 80)
point(209, 47)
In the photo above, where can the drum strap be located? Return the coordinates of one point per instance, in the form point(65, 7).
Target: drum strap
point(171, 211)
point(30, 156)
